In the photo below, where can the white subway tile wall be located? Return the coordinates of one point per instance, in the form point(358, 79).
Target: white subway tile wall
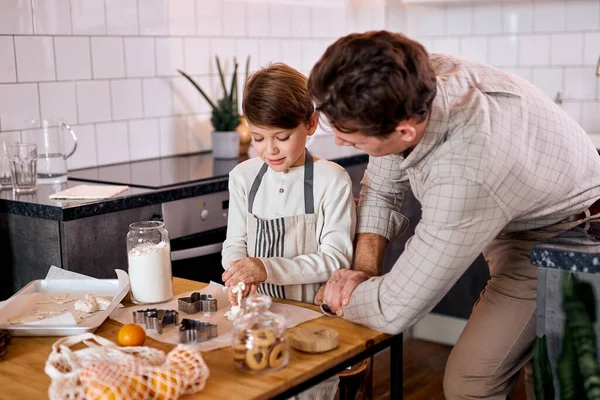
point(554, 44)
point(109, 67)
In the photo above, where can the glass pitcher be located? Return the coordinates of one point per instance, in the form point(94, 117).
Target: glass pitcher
point(49, 135)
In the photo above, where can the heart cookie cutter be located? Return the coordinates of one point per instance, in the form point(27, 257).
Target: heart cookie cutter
point(196, 303)
point(194, 331)
point(155, 319)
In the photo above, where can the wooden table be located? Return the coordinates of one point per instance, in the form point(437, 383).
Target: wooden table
point(22, 370)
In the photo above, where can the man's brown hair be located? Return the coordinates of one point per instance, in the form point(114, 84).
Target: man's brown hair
point(369, 82)
point(277, 96)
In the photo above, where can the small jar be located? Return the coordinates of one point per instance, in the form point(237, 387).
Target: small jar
point(149, 259)
point(259, 341)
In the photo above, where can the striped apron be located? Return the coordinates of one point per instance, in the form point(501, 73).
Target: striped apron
point(285, 237)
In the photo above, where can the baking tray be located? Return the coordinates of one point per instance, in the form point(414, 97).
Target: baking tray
point(25, 299)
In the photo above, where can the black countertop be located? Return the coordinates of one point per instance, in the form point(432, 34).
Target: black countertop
point(574, 250)
point(150, 182)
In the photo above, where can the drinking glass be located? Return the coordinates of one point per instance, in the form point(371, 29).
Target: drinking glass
point(23, 166)
point(5, 179)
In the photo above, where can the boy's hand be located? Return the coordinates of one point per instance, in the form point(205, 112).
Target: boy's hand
point(248, 270)
point(249, 291)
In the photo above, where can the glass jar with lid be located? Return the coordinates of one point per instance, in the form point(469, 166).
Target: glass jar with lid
point(259, 341)
point(149, 259)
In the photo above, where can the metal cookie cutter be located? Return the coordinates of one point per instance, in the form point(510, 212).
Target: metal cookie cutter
point(194, 331)
point(155, 319)
point(196, 303)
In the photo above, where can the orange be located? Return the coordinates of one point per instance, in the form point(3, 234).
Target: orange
point(131, 335)
point(165, 384)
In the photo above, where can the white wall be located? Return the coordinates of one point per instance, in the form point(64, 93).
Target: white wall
point(108, 67)
point(554, 44)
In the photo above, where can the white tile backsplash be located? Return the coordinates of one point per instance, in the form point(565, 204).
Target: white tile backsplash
point(503, 51)
point(16, 17)
point(518, 17)
point(35, 58)
point(208, 18)
point(258, 20)
point(126, 99)
point(446, 45)
point(18, 105)
point(280, 20)
point(112, 142)
point(72, 58)
point(320, 18)
point(173, 134)
point(52, 17)
point(583, 15)
point(269, 50)
point(158, 96)
point(88, 17)
point(112, 63)
point(534, 50)
point(153, 17)
point(577, 83)
point(121, 17)
point(199, 133)
point(108, 59)
point(475, 48)
point(139, 60)
point(459, 20)
point(58, 100)
point(143, 139)
point(591, 48)
point(486, 19)
point(590, 118)
point(182, 17)
point(301, 24)
point(93, 101)
point(8, 69)
point(186, 99)
point(235, 22)
point(197, 56)
point(567, 49)
point(549, 80)
point(85, 155)
point(169, 56)
point(549, 16)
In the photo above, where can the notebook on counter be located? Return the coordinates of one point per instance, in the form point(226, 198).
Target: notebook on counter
point(88, 192)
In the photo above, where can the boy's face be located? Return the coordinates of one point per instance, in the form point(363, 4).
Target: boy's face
point(282, 148)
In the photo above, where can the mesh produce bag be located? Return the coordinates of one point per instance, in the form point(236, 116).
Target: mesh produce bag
point(105, 371)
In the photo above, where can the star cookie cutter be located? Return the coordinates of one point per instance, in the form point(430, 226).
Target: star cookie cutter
point(196, 303)
point(194, 331)
point(156, 319)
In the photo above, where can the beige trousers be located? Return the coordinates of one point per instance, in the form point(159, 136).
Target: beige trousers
point(498, 338)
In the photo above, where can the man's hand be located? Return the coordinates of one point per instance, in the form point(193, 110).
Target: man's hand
point(320, 295)
point(339, 288)
point(248, 270)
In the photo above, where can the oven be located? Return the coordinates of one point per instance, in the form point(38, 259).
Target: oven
point(197, 227)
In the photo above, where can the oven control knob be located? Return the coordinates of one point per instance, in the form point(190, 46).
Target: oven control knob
point(204, 214)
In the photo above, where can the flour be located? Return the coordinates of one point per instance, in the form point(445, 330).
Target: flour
point(150, 272)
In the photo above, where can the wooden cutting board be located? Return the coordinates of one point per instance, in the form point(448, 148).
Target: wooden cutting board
point(314, 340)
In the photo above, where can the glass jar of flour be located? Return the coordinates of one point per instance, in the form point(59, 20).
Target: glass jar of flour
point(149, 258)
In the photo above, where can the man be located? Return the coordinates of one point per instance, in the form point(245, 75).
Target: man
point(497, 167)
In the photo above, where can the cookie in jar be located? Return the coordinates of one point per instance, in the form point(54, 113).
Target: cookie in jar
point(259, 341)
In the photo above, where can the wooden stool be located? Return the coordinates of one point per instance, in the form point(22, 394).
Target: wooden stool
point(359, 378)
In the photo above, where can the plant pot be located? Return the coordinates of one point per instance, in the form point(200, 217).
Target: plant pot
point(226, 145)
point(245, 136)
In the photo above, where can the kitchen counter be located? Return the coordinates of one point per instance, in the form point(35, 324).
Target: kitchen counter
point(150, 182)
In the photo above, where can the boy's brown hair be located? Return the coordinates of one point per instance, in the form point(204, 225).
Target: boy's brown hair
point(369, 82)
point(277, 96)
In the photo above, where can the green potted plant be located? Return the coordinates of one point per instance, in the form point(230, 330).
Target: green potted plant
point(225, 116)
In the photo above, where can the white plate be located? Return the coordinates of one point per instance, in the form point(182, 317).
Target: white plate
point(22, 303)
